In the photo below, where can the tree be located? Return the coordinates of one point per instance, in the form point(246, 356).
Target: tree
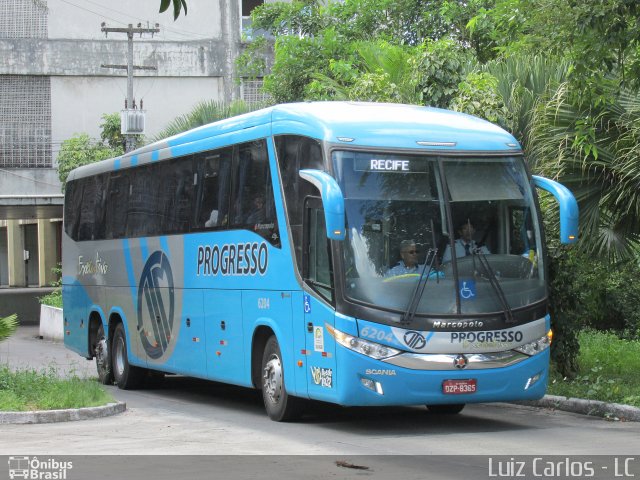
point(178, 6)
point(595, 151)
point(81, 149)
point(206, 112)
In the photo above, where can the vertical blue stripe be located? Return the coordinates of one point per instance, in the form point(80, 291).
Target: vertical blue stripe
point(164, 244)
point(130, 272)
point(144, 249)
point(155, 155)
point(134, 160)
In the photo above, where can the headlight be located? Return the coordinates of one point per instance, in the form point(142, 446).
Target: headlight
point(365, 347)
point(537, 346)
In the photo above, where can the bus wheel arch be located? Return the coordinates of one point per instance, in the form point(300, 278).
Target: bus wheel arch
point(260, 338)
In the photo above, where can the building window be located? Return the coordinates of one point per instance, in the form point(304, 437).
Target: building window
point(25, 121)
point(252, 91)
point(23, 19)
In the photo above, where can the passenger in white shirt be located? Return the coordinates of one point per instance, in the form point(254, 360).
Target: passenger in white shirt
point(465, 244)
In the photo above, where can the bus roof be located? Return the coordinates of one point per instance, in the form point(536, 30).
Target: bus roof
point(362, 124)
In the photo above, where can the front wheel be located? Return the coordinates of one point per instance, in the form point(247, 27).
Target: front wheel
point(449, 409)
point(280, 406)
point(103, 361)
point(126, 376)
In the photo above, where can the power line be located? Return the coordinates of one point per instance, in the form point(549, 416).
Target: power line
point(103, 16)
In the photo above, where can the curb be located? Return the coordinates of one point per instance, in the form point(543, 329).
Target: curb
point(596, 408)
point(67, 415)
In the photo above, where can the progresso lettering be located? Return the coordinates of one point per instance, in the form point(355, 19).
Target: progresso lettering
point(497, 336)
point(233, 259)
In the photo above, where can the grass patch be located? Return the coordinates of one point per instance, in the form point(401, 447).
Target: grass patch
point(609, 369)
point(27, 390)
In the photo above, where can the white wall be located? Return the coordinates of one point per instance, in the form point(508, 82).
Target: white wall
point(81, 19)
point(77, 103)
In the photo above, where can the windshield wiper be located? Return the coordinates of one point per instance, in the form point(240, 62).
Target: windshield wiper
point(493, 280)
point(410, 312)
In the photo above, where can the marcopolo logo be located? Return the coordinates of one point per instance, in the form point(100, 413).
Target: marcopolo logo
point(156, 305)
point(35, 469)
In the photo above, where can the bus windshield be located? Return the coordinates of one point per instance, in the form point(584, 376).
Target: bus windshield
point(468, 223)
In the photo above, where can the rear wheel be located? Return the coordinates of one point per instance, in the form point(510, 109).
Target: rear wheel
point(280, 406)
point(126, 376)
point(450, 409)
point(103, 361)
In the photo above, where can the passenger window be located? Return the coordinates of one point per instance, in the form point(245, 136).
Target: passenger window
point(253, 206)
point(213, 187)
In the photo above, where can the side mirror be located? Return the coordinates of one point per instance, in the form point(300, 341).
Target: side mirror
point(332, 201)
point(568, 207)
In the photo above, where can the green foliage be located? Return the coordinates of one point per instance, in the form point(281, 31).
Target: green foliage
point(608, 370)
point(32, 390)
point(595, 151)
point(523, 81)
point(203, 113)
point(441, 66)
point(563, 308)
point(111, 135)
point(54, 299)
point(178, 6)
point(81, 150)
point(8, 326)
point(599, 37)
point(477, 95)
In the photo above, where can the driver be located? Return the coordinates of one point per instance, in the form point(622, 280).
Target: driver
point(409, 262)
point(465, 244)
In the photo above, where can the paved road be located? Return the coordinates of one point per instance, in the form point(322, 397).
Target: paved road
point(186, 416)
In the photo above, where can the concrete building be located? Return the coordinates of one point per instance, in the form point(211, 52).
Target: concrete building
point(52, 86)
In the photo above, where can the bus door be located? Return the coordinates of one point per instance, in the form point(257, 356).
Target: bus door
point(189, 355)
point(223, 320)
point(319, 345)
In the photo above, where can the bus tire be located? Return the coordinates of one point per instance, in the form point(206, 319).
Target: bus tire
point(103, 359)
point(448, 409)
point(127, 376)
point(280, 406)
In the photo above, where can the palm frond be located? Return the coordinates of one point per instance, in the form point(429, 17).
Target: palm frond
point(8, 326)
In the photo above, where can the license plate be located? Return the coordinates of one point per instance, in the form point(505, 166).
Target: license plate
point(458, 387)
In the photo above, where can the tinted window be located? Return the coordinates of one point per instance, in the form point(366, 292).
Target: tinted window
point(187, 194)
point(253, 206)
point(294, 154)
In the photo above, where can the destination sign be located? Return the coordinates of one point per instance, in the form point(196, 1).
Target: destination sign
point(391, 165)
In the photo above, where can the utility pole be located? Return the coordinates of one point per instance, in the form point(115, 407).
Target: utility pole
point(131, 119)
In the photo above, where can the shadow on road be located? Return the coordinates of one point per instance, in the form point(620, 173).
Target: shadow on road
point(402, 421)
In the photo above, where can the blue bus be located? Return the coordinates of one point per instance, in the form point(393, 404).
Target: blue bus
point(317, 251)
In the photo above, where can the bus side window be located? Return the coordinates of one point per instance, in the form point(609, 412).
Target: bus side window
point(73, 198)
point(317, 271)
point(294, 154)
point(91, 221)
point(211, 178)
point(253, 205)
point(117, 205)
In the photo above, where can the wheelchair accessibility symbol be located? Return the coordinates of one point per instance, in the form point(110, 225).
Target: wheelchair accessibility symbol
point(467, 289)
